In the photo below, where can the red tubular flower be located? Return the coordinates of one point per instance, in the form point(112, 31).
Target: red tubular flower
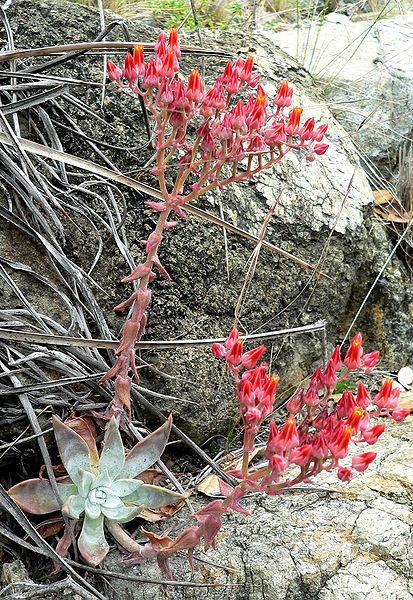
point(130, 72)
point(311, 397)
point(249, 359)
point(370, 360)
point(301, 456)
point(168, 66)
point(275, 133)
point(352, 359)
point(306, 131)
point(284, 95)
point(382, 398)
point(139, 59)
point(218, 350)
point(239, 65)
point(294, 121)
point(245, 73)
point(194, 90)
point(228, 72)
point(160, 42)
point(399, 414)
point(320, 149)
point(252, 416)
point(288, 438)
point(355, 419)
point(394, 398)
point(277, 464)
point(319, 132)
point(237, 117)
point(151, 76)
point(165, 95)
point(318, 422)
point(233, 84)
point(336, 359)
point(360, 462)
point(114, 73)
point(256, 117)
point(340, 441)
point(372, 435)
point(344, 473)
point(295, 403)
point(271, 449)
point(329, 376)
point(319, 444)
point(269, 391)
point(233, 356)
point(363, 398)
point(346, 405)
point(173, 42)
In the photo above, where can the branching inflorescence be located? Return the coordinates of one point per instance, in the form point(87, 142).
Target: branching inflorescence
point(204, 140)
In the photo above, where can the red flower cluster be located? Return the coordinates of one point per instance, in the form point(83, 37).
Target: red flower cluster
point(318, 433)
point(227, 128)
point(255, 388)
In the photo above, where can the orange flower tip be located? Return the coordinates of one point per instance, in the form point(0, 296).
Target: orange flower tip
point(358, 412)
point(261, 99)
point(291, 422)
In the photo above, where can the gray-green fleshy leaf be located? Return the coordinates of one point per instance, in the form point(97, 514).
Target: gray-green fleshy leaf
point(92, 543)
point(123, 514)
point(145, 453)
point(85, 481)
point(73, 450)
point(124, 487)
point(113, 454)
point(112, 501)
point(92, 510)
point(36, 496)
point(102, 480)
point(152, 496)
point(74, 506)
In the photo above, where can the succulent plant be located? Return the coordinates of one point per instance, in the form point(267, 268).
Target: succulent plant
point(103, 488)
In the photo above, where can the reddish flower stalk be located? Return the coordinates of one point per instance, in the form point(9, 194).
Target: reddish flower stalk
point(232, 142)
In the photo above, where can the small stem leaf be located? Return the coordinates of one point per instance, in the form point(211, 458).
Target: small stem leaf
point(152, 496)
point(73, 450)
point(92, 543)
point(36, 497)
point(145, 453)
point(74, 506)
point(112, 458)
point(123, 514)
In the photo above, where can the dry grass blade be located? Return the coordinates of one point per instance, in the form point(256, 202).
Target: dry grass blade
point(34, 100)
point(70, 159)
point(86, 46)
point(61, 340)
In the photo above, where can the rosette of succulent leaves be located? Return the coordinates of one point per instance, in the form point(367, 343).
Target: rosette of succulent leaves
point(103, 489)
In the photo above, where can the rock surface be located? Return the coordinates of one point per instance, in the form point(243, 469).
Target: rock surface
point(315, 219)
point(353, 543)
point(365, 70)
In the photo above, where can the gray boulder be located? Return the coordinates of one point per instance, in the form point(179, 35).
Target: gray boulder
point(366, 71)
point(316, 219)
